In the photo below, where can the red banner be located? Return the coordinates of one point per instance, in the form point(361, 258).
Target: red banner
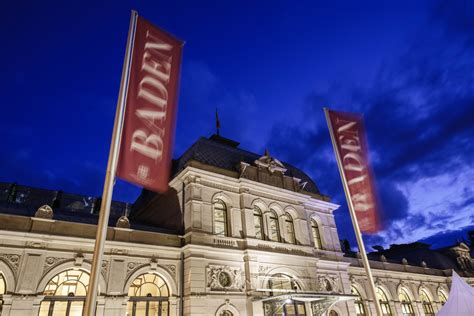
point(151, 106)
point(349, 138)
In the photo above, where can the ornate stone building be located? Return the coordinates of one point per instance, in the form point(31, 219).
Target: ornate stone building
point(237, 234)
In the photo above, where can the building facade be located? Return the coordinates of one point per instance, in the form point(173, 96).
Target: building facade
point(237, 234)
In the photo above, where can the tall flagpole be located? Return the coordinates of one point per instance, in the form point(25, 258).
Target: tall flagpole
point(360, 241)
point(91, 298)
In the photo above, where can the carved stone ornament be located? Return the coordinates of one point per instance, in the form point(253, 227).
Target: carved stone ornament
point(12, 260)
point(320, 308)
point(79, 259)
point(50, 262)
point(224, 278)
point(123, 222)
point(171, 269)
point(132, 266)
point(44, 211)
point(270, 163)
point(105, 267)
point(263, 269)
point(328, 284)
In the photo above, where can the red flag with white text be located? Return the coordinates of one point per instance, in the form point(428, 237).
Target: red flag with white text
point(151, 106)
point(350, 141)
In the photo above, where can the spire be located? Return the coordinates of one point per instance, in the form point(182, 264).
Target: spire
point(218, 123)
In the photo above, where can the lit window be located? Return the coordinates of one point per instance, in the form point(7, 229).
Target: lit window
point(442, 297)
point(220, 218)
point(290, 229)
point(65, 294)
point(426, 302)
point(149, 295)
point(282, 283)
point(258, 222)
point(318, 244)
point(3, 290)
point(383, 300)
point(358, 302)
point(407, 308)
point(273, 227)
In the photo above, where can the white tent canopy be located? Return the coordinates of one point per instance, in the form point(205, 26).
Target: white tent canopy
point(461, 299)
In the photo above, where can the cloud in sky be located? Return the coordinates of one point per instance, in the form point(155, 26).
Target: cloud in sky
point(270, 70)
point(420, 120)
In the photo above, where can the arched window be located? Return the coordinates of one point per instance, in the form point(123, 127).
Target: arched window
point(442, 297)
point(65, 293)
point(273, 227)
point(258, 222)
point(149, 295)
point(289, 229)
point(318, 244)
point(3, 290)
point(407, 308)
point(333, 313)
point(358, 302)
point(220, 218)
point(226, 313)
point(383, 300)
point(281, 283)
point(426, 302)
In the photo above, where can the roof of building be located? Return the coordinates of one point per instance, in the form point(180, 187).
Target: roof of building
point(224, 153)
point(418, 254)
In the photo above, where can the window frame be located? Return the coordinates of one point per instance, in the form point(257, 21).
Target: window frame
point(407, 307)
point(225, 232)
point(358, 302)
point(383, 301)
point(442, 297)
point(273, 217)
point(133, 300)
point(316, 233)
point(426, 303)
point(3, 291)
point(290, 234)
point(51, 298)
point(258, 219)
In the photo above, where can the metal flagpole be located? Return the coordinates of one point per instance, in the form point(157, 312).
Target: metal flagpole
point(91, 298)
point(360, 241)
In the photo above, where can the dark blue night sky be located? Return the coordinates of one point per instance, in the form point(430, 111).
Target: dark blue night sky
point(270, 67)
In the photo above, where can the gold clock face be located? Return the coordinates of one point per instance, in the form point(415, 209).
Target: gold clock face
point(224, 279)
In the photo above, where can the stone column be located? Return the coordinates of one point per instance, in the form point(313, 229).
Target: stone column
point(21, 305)
point(115, 305)
point(7, 304)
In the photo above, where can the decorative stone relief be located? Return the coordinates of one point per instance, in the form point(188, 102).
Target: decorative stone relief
point(50, 262)
point(12, 260)
point(263, 269)
point(132, 265)
point(79, 259)
point(172, 269)
point(328, 283)
point(319, 308)
point(105, 267)
point(224, 278)
point(44, 211)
